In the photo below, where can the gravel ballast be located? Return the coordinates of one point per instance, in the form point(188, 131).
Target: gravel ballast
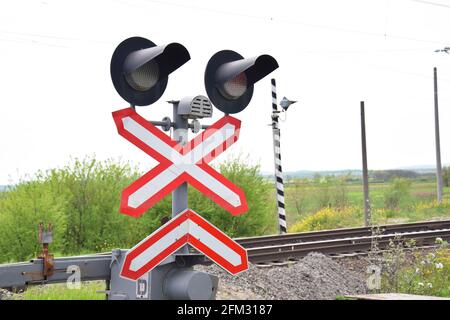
point(5, 294)
point(316, 276)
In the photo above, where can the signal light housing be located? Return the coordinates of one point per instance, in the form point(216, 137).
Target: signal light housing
point(140, 69)
point(229, 79)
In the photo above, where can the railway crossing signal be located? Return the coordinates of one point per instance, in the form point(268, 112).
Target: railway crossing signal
point(139, 71)
point(187, 227)
point(179, 164)
point(229, 79)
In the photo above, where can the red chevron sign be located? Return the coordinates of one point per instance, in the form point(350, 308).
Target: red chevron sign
point(179, 163)
point(187, 227)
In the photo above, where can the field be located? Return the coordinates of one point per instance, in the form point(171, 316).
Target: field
point(398, 201)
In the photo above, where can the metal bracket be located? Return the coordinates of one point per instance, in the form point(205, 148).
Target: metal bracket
point(196, 126)
point(166, 124)
point(115, 254)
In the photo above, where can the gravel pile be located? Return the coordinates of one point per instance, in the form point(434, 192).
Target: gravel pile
point(314, 277)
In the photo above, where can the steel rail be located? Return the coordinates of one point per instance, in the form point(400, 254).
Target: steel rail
point(342, 246)
point(262, 241)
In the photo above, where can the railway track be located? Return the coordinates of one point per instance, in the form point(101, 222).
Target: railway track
point(291, 238)
point(340, 246)
point(341, 241)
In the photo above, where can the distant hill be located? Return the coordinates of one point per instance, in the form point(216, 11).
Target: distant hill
point(312, 174)
point(410, 171)
point(424, 168)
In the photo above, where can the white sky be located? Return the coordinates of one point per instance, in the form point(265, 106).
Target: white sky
point(56, 96)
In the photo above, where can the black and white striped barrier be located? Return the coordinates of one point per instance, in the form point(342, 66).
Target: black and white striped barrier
point(277, 157)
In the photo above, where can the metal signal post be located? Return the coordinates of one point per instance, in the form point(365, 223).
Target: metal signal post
point(180, 194)
point(277, 158)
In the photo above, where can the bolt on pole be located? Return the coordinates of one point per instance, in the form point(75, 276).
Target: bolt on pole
point(277, 157)
point(438, 143)
point(367, 213)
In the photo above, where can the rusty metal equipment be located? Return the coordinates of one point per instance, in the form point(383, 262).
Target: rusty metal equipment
point(45, 238)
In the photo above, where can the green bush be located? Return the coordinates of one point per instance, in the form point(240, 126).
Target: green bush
point(21, 209)
point(398, 190)
point(82, 201)
point(329, 218)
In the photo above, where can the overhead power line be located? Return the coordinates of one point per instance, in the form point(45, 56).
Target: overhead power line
point(288, 20)
point(432, 3)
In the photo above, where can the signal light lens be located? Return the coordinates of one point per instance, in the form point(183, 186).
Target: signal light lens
point(140, 69)
point(144, 77)
point(234, 88)
point(230, 78)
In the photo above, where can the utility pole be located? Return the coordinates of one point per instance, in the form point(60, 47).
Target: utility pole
point(367, 214)
point(438, 143)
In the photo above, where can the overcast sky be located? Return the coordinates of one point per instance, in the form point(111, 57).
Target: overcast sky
point(56, 96)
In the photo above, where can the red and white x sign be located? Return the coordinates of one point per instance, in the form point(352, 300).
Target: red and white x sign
point(187, 227)
point(179, 164)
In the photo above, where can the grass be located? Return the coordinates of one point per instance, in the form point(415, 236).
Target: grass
point(88, 291)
